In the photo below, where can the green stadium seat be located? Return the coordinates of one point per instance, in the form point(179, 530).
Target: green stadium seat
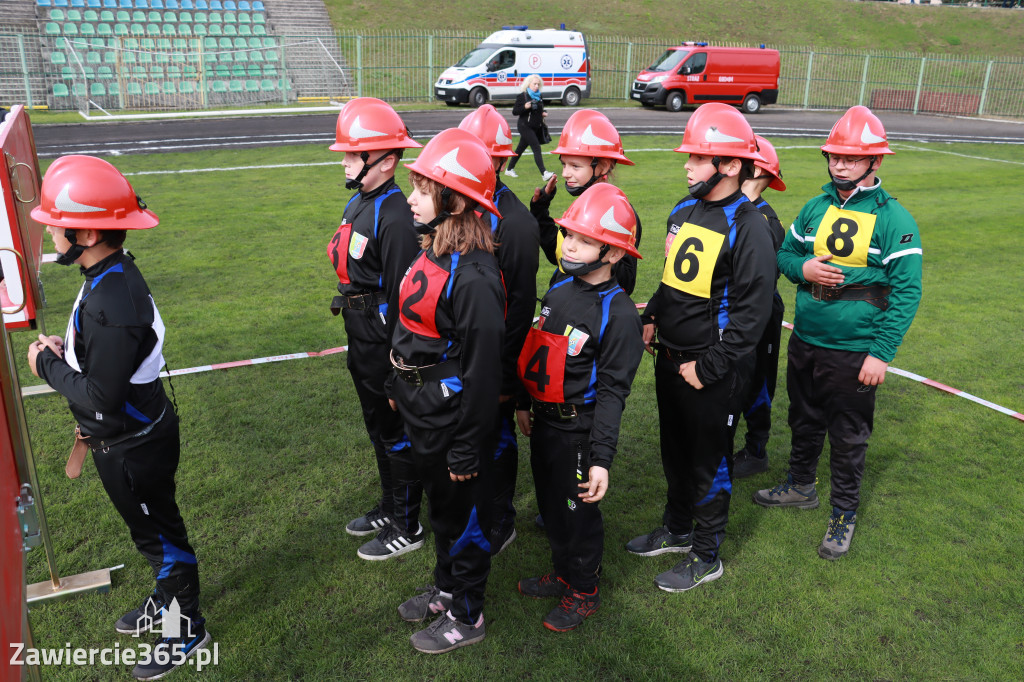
point(154, 17)
point(225, 43)
point(269, 71)
point(156, 72)
point(170, 30)
point(225, 58)
point(145, 58)
point(88, 73)
point(194, 43)
point(222, 71)
point(199, 30)
point(245, 30)
point(216, 18)
point(271, 55)
point(152, 29)
point(134, 88)
point(124, 16)
point(254, 71)
point(104, 73)
point(163, 44)
point(58, 58)
point(110, 57)
point(138, 30)
point(258, 30)
point(162, 58)
point(241, 57)
point(185, 18)
point(235, 86)
point(93, 58)
point(238, 71)
point(60, 90)
point(209, 43)
point(170, 18)
point(256, 56)
point(200, 17)
point(244, 18)
point(67, 73)
point(255, 42)
point(139, 72)
point(74, 15)
point(215, 30)
point(258, 19)
point(121, 30)
point(148, 44)
point(57, 15)
point(174, 71)
point(97, 43)
point(180, 44)
point(189, 71)
point(269, 41)
point(107, 15)
point(60, 44)
point(87, 29)
point(187, 87)
point(152, 88)
point(184, 30)
point(71, 29)
point(239, 44)
point(219, 86)
point(90, 15)
point(178, 58)
point(139, 16)
point(113, 88)
point(97, 90)
point(131, 44)
point(230, 30)
point(169, 88)
point(78, 90)
point(129, 58)
point(104, 30)
point(230, 18)
point(252, 86)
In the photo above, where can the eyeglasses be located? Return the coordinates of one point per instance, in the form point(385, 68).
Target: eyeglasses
point(842, 159)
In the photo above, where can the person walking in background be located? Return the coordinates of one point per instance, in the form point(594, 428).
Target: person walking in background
point(529, 107)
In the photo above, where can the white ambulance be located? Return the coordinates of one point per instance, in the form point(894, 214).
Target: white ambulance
point(495, 69)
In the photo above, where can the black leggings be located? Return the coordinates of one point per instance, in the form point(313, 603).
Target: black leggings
point(528, 138)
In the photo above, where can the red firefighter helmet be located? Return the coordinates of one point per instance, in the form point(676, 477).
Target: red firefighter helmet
point(857, 133)
point(717, 129)
point(366, 124)
point(492, 129)
point(590, 133)
point(86, 193)
point(770, 163)
point(459, 160)
point(603, 213)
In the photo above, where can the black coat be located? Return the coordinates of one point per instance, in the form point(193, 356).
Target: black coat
point(532, 117)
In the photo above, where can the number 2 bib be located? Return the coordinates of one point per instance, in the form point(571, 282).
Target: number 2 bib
point(846, 235)
point(419, 294)
point(690, 264)
point(542, 365)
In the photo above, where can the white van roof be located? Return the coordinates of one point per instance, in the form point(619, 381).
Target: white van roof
point(547, 37)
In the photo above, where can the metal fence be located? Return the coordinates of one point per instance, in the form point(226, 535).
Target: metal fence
point(403, 66)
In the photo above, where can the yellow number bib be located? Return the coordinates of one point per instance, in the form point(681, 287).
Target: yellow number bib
point(846, 235)
point(691, 260)
point(558, 250)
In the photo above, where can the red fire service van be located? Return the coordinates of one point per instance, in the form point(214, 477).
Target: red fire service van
point(695, 73)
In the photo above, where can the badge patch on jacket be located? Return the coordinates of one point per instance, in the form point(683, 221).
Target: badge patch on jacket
point(576, 340)
point(357, 245)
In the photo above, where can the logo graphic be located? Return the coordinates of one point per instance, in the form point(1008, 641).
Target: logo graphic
point(501, 138)
point(907, 238)
point(357, 245)
point(170, 625)
point(502, 76)
point(572, 504)
point(358, 132)
point(576, 341)
point(566, 61)
point(713, 134)
point(450, 162)
point(589, 138)
point(868, 137)
point(64, 202)
point(609, 223)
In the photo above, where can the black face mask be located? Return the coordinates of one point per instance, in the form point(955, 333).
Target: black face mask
point(701, 189)
point(357, 181)
point(73, 253)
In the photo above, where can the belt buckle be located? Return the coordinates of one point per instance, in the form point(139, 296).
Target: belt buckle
point(357, 302)
point(816, 291)
point(569, 413)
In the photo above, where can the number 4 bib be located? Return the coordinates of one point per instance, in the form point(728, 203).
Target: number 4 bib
point(542, 365)
point(846, 235)
point(691, 260)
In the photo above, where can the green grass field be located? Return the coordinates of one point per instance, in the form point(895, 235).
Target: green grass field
point(275, 459)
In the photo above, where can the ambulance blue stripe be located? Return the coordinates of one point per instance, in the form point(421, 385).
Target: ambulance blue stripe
point(493, 77)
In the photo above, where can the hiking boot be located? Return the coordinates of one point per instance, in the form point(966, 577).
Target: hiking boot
point(391, 542)
point(545, 586)
point(572, 610)
point(839, 534)
point(787, 494)
point(446, 634)
point(749, 461)
point(429, 602)
point(170, 652)
point(498, 545)
point(369, 523)
point(144, 618)
point(689, 573)
point(660, 541)
point(511, 173)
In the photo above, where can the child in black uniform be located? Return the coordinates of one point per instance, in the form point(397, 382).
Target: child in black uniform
point(446, 351)
point(108, 367)
point(753, 458)
point(578, 364)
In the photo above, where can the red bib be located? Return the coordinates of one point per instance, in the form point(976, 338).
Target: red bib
point(418, 297)
point(542, 365)
point(337, 251)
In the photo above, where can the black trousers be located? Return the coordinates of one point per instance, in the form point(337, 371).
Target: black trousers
point(368, 361)
point(697, 428)
point(500, 473)
point(138, 475)
point(528, 138)
point(560, 461)
point(825, 396)
point(758, 408)
point(461, 524)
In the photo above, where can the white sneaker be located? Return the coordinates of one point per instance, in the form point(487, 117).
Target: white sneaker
point(511, 173)
point(548, 175)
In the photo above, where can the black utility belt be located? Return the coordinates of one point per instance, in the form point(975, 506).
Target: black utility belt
point(417, 376)
point(678, 356)
point(559, 411)
point(104, 442)
point(876, 295)
point(358, 301)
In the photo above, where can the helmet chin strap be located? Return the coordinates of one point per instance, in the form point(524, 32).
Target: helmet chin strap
point(850, 185)
point(579, 269)
point(702, 188)
point(74, 252)
point(576, 191)
point(357, 181)
point(443, 214)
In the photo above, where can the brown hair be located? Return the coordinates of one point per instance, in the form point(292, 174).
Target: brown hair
point(463, 231)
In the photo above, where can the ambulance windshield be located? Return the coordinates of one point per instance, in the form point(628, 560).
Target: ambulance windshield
point(670, 60)
point(476, 57)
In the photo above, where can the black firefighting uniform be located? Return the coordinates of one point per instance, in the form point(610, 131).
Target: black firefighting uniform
point(758, 406)
point(624, 271)
point(580, 359)
point(451, 319)
point(711, 307)
point(110, 377)
point(374, 245)
point(517, 239)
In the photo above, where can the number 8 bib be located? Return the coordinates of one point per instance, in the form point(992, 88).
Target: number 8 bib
point(846, 235)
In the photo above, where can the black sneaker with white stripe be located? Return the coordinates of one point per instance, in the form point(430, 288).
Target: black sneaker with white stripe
point(391, 542)
point(369, 523)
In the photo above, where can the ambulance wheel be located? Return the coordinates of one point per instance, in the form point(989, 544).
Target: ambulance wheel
point(751, 104)
point(571, 97)
point(452, 104)
point(675, 101)
point(478, 97)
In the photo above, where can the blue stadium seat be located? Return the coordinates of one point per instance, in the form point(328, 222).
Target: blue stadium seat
point(95, 4)
point(141, 4)
point(201, 4)
point(244, 5)
point(215, 4)
point(60, 3)
point(186, 4)
point(78, 3)
point(156, 4)
point(43, 3)
point(257, 6)
point(171, 4)
point(173, 72)
point(125, 4)
point(110, 4)
point(229, 4)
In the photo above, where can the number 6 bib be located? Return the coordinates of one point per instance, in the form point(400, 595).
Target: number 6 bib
point(691, 260)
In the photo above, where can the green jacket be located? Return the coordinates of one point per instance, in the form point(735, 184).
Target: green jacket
point(874, 241)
